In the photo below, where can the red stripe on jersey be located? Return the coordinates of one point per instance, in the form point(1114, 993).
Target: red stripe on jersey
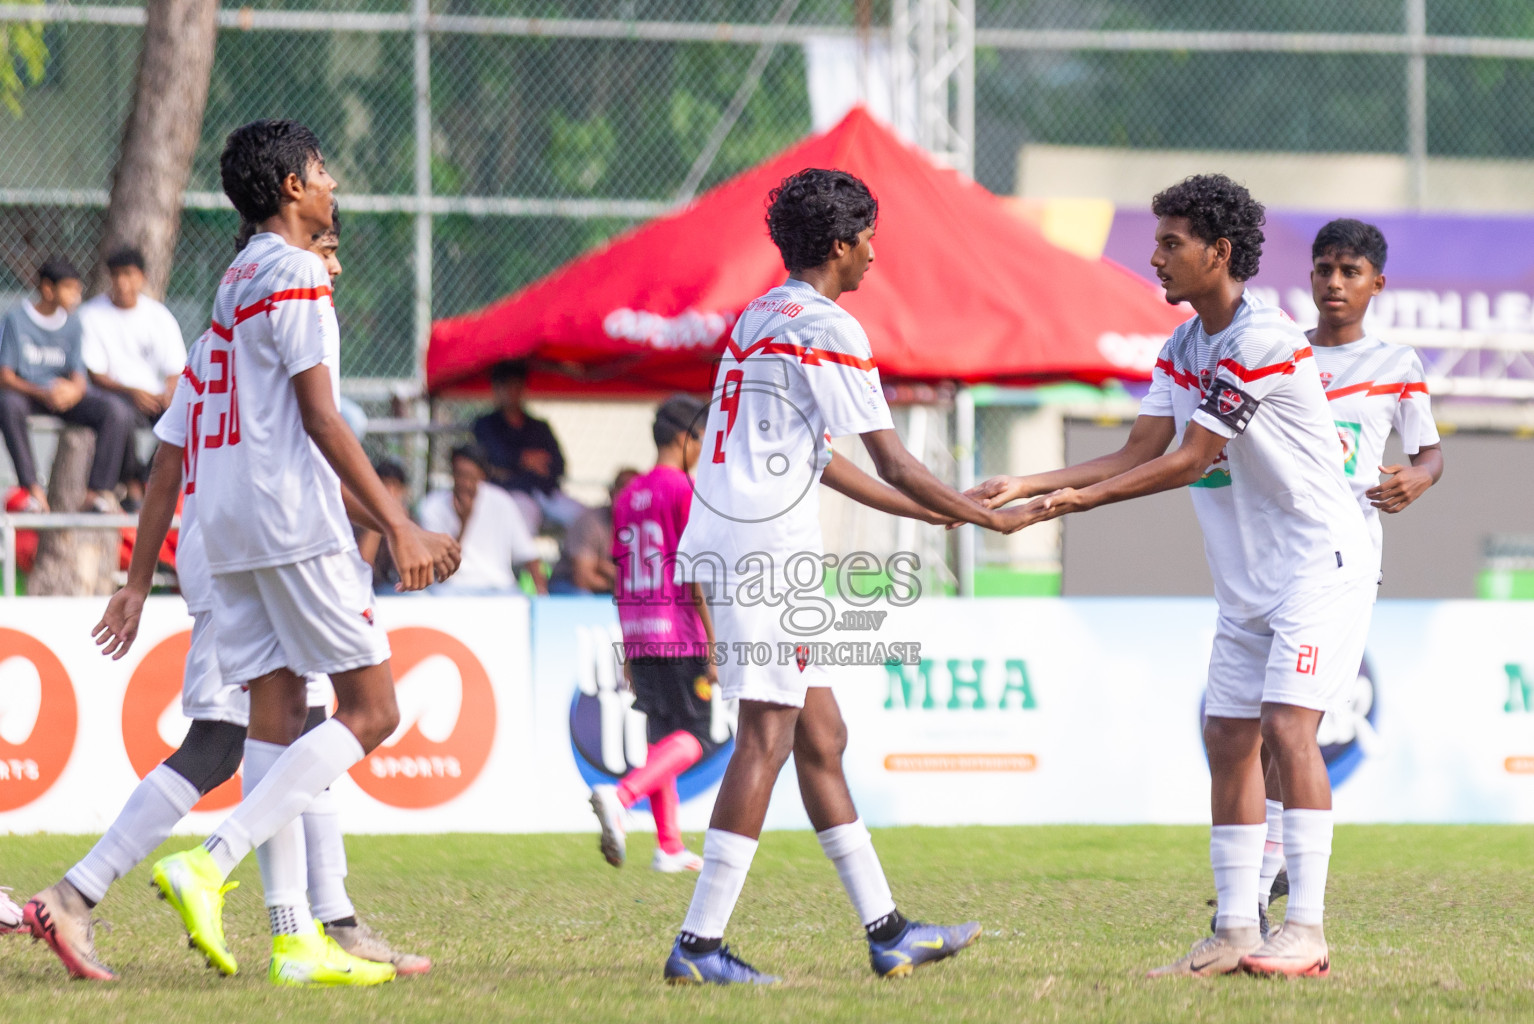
point(191, 378)
point(1369, 389)
point(806, 355)
point(1179, 377)
point(243, 313)
point(1287, 366)
point(223, 332)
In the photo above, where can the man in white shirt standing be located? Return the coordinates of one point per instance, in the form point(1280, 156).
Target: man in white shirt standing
point(133, 349)
point(492, 535)
point(1294, 570)
point(290, 594)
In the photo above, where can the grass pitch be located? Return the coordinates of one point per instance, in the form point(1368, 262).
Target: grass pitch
point(1425, 923)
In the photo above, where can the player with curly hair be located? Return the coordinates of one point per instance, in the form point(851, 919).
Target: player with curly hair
point(797, 372)
point(1293, 564)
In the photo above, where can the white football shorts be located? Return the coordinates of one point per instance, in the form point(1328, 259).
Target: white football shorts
point(206, 698)
point(765, 666)
point(1306, 653)
point(310, 616)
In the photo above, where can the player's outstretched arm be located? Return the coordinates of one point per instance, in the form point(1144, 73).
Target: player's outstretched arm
point(901, 470)
point(1407, 483)
point(1148, 439)
point(419, 555)
point(844, 477)
point(1178, 468)
point(118, 627)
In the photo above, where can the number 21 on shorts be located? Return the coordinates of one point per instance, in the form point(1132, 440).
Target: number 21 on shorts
point(1305, 664)
point(729, 404)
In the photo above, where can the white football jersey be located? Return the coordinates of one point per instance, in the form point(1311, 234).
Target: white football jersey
point(266, 496)
point(797, 371)
point(1275, 508)
point(174, 427)
point(1374, 386)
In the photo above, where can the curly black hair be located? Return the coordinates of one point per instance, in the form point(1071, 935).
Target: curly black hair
point(812, 210)
point(1217, 208)
point(257, 159)
point(1348, 237)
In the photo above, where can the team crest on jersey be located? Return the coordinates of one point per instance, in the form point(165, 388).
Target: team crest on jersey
point(1205, 378)
point(1231, 406)
point(1326, 378)
point(1349, 434)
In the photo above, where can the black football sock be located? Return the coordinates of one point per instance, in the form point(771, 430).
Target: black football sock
point(887, 927)
point(694, 945)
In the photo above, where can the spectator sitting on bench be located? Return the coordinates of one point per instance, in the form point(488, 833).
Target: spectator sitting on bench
point(133, 351)
point(42, 372)
point(523, 454)
point(488, 526)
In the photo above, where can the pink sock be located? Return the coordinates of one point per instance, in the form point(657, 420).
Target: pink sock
point(666, 760)
point(665, 805)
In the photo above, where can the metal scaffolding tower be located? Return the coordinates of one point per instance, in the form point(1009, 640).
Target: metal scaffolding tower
point(932, 48)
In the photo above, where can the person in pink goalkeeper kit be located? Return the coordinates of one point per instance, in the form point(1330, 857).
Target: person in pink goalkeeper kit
point(667, 640)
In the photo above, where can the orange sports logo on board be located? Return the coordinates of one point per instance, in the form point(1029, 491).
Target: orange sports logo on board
point(447, 723)
point(38, 717)
point(154, 690)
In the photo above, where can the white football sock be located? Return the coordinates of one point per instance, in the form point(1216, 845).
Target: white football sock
point(851, 849)
point(284, 875)
point(1308, 843)
point(154, 807)
point(306, 768)
point(726, 860)
point(327, 860)
point(1272, 852)
point(1235, 853)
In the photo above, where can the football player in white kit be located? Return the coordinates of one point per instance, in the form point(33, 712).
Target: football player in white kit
point(1294, 571)
point(211, 751)
point(798, 371)
point(269, 455)
point(1372, 387)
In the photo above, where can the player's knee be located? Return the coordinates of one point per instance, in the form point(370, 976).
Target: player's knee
point(1229, 739)
point(372, 724)
point(822, 746)
point(1287, 734)
point(210, 754)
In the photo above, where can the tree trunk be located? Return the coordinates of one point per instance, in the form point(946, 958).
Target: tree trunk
point(73, 562)
point(160, 138)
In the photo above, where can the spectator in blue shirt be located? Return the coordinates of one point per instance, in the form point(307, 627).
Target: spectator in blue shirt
point(42, 372)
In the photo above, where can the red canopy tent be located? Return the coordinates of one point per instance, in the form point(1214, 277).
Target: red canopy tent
point(961, 289)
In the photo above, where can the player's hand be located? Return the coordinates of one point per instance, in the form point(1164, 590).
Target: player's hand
point(997, 491)
point(1405, 486)
point(118, 627)
point(1042, 509)
point(422, 557)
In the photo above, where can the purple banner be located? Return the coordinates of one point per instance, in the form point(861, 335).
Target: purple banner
point(1443, 272)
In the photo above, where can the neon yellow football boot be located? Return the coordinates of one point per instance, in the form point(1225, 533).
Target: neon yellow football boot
point(192, 884)
point(316, 961)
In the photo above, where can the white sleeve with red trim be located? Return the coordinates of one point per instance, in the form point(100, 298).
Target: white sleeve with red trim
point(840, 371)
point(171, 426)
point(1413, 420)
point(1158, 400)
point(303, 317)
point(1251, 367)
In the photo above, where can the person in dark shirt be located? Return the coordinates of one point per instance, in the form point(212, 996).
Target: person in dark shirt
point(42, 372)
point(523, 453)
